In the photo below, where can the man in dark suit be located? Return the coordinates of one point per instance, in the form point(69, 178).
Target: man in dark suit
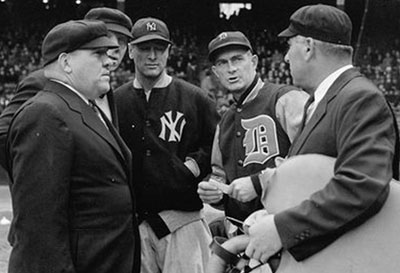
point(119, 26)
point(348, 119)
point(26, 89)
point(72, 197)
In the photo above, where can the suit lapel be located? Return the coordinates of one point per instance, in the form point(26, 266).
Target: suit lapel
point(124, 149)
point(321, 109)
point(89, 117)
point(113, 110)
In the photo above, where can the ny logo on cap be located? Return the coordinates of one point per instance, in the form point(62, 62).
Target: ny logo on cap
point(223, 35)
point(151, 26)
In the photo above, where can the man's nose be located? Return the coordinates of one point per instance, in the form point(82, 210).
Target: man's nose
point(152, 53)
point(286, 58)
point(108, 61)
point(231, 67)
point(113, 54)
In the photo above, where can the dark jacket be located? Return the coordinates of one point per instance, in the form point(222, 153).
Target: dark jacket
point(353, 124)
point(251, 136)
point(25, 90)
point(71, 189)
point(178, 122)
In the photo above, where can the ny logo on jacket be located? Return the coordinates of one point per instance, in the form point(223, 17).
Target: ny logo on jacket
point(172, 126)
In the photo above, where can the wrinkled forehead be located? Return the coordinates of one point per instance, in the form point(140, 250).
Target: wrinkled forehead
point(231, 51)
point(296, 39)
point(121, 38)
point(152, 43)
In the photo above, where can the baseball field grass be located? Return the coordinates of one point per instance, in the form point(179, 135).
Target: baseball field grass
point(5, 217)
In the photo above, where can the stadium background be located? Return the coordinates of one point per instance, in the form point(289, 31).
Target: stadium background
point(193, 23)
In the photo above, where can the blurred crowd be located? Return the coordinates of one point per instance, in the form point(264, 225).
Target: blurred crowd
point(20, 54)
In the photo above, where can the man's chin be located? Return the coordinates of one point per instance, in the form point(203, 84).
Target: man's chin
point(152, 74)
point(104, 88)
point(235, 88)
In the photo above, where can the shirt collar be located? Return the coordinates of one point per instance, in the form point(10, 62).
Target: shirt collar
point(324, 86)
point(72, 89)
point(254, 92)
point(163, 82)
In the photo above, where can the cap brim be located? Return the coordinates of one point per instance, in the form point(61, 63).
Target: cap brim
point(100, 42)
point(119, 29)
point(287, 33)
point(150, 38)
point(231, 44)
point(219, 49)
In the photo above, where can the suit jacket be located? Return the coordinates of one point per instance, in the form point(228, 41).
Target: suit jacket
point(352, 123)
point(26, 89)
point(71, 189)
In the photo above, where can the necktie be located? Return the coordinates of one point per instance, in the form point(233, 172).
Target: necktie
point(97, 110)
point(110, 128)
point(307, 110)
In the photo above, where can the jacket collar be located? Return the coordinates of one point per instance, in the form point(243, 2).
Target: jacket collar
point(89, 117)
point(321, 109)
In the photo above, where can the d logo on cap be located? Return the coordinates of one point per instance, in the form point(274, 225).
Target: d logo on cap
point(223, 35)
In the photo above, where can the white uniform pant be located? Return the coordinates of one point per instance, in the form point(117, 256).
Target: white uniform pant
point(185, 250)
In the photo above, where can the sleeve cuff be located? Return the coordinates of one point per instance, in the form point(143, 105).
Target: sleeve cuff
point(227, 256)
point(192, 165)
point(255, 179)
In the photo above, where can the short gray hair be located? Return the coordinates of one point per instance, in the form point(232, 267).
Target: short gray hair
point(341, 51)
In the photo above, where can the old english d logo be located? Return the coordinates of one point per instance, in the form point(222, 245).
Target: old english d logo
point(223, 36)
point(172, 126)
point(260, 141)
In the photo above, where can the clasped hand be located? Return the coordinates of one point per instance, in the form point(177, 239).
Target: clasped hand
point(264, 237)
point(240, 189)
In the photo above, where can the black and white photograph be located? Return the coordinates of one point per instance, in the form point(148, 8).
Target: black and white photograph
point(199, 136)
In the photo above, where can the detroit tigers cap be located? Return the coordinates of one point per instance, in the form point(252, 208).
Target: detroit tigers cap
point(114, 19)
point(73, 35)
point(225, 39)
point(147, 29)
point(321, 22)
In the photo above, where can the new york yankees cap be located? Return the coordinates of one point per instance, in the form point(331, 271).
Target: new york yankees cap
point(147, 29)
point(227, 39)
point(321, 22)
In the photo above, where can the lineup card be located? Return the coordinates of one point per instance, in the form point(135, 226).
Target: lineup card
point(221, 186)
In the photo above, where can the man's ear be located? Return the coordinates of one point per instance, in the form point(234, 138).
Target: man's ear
point(214, 70)
point(309, 48)
point(130, 50)
point(254, 60)
point(65, 62)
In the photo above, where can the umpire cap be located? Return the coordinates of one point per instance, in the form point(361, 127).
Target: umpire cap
point(73, 35)
point(321, 22)
point(114, 19)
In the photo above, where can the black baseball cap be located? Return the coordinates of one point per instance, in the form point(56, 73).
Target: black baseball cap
point(227, 39)
point(114, 19)
point(321, 22)
point(147, 29)
point(73, 35)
